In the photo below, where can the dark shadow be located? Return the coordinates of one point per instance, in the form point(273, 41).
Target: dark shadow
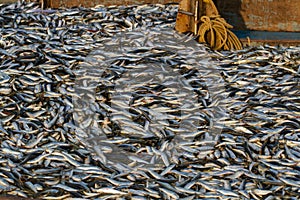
point(230, 11)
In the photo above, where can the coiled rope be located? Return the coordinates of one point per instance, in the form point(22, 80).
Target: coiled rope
point(214, 31)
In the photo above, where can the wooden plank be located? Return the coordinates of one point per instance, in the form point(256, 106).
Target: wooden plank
point(261, 15)
point(184, 21)
point(271, 38)
point(7, 1)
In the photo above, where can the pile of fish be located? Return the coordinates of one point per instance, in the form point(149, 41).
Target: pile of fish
point(112, 103)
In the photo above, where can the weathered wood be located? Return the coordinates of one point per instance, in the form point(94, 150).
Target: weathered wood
point(186, 22)
point(263, 15)
point(7, 1)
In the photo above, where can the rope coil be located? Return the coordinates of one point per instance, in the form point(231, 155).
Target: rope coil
point(214, 31)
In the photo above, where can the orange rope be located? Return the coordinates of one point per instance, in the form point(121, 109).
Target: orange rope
point(214, 31)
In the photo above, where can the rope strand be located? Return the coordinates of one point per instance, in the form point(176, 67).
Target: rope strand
point(214, 31)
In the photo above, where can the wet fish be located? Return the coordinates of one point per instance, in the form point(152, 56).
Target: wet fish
point(167, 118)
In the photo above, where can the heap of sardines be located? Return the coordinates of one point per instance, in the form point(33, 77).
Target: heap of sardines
point(112, 103)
